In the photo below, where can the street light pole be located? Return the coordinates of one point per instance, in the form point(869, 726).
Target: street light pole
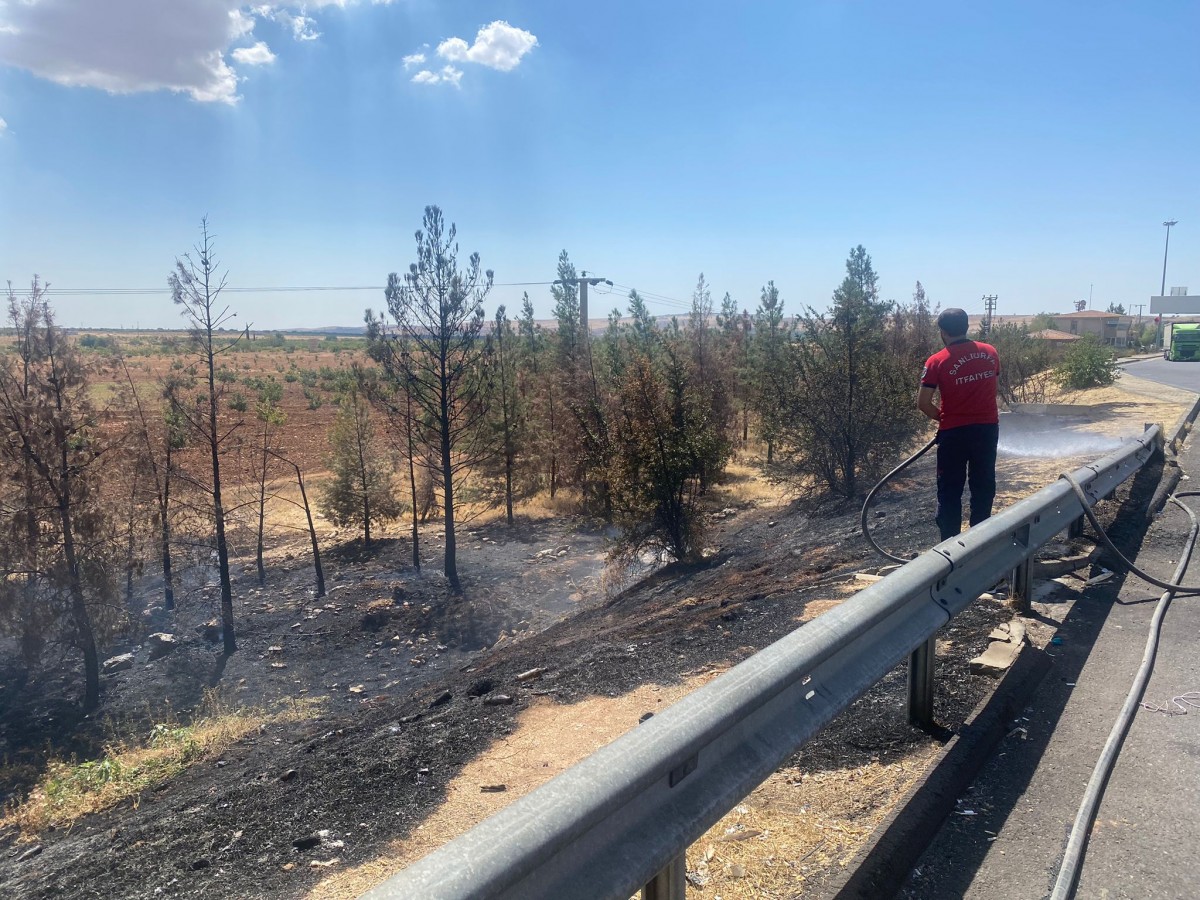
point(1162, 291)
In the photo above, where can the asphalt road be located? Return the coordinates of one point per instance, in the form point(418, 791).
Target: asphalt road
point(1006, 838)
point(1183, 375)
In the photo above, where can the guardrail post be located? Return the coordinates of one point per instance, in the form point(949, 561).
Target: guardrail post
point(1075, 529)
point(920, 683)
point(1022, 586)
point(670, 883)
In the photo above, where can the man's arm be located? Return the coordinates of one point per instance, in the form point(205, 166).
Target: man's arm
point(926, 403)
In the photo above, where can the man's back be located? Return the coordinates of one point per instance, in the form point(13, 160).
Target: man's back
point(964, 374)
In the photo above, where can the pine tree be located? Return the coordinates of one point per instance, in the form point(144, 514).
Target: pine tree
point(664, 438)
point(848, 403)
point(767, 362)
point(361, 490)
point(735, 330)
point(509, 408)
point(53, 454)
point(710, 384)
point(433, 350)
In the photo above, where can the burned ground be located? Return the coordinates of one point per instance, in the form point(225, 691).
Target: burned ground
point(411, 679)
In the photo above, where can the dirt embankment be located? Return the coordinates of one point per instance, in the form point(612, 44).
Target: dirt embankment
point(416, 739)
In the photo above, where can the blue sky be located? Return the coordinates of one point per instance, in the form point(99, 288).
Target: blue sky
point(1027, 150)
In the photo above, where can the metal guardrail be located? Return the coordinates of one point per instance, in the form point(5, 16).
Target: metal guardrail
point(621, 819)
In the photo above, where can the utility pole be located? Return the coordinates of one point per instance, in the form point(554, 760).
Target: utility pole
point(989, 305)
point(1162, 291)
point(583, 282)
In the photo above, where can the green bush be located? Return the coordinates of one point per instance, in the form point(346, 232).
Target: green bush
point(238, 401)
point(98, 342)
point(1087, 363)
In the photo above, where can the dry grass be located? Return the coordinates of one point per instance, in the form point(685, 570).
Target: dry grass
point(539, 508)
point(796, 825)
point(70, 790)
point(745, 483)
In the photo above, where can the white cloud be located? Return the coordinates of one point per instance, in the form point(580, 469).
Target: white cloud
point(302, 27)
point(258, 55)
point(3, 126)
point(128, 46)
point(122, 46)
point(243, 23)
point(497, 46)
point(413, 59)
point(447, 75)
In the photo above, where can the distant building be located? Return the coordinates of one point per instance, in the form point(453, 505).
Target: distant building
point(1112, 329)
point(1054, 336)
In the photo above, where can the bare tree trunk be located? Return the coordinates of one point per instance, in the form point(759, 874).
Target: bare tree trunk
point(312, 533)
point(165, 533)
point(508, 459)
point(553, 444)
point(84, 632)
point(32, 640)
point(362, 474)
point(262, 509)
point(130, 540)
point(412, 478)
point(230, 645)
point(508, 486)
point(451, 566)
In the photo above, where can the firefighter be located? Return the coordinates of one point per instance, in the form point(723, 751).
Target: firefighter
point(958, 391)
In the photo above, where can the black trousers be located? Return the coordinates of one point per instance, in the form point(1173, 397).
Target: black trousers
point(965, 455)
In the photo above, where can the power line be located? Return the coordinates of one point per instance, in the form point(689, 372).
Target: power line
point(650, 296)
point(658, 298)
point(126, 292)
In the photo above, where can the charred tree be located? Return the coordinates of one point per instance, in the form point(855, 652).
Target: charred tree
point(196, 288)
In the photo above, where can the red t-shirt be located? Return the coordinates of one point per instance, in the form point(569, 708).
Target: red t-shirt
point(965, 375)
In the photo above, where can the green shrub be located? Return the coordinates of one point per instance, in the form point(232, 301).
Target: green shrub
point(98, 342)
point(1087, 363)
